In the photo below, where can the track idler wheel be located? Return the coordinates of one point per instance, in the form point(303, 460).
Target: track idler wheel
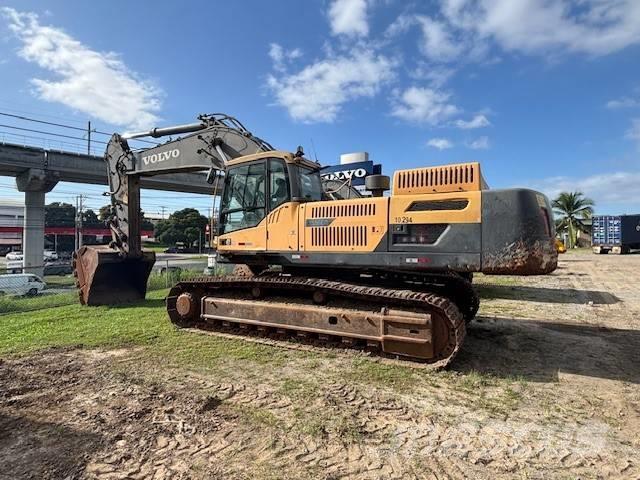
point(183, 306)
point(186, 305)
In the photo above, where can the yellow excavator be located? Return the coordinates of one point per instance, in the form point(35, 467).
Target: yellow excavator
point(315, 260)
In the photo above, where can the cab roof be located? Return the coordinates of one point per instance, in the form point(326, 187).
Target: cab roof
point(288, 157)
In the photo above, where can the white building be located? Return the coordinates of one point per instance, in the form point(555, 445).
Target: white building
point(11, 223)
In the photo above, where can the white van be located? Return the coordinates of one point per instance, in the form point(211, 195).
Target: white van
point(21, 284)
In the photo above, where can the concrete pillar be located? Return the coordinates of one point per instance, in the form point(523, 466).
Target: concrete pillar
point(33, 236)
point(35, 183)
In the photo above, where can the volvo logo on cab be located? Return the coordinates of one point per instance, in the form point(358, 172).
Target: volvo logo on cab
point(161, 157)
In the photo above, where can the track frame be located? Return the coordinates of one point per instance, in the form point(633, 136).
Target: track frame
point(187, 306)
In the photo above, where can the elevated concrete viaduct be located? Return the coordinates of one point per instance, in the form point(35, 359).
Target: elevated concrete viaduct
point(37, 171)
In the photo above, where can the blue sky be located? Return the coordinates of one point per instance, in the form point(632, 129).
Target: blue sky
point(545, 93)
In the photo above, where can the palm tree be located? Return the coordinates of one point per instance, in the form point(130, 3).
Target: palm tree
point(572, 208)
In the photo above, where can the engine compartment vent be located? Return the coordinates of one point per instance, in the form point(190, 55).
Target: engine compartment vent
point(346, 210)
point(438, 205)
point(449, 178)
point(339, 236)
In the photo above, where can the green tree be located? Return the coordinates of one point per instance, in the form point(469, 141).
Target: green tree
point(104, 214)
point(59, 214)
point(182, 226)
point(145, 223)
point(91, 220)
point(572, 208)
point(192, 234)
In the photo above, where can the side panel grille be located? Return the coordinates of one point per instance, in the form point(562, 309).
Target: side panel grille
point(339, 236)
point(346, 210)
point(451, 178)
point(433, 205)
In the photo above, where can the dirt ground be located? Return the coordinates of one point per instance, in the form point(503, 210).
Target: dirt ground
point(546, 386)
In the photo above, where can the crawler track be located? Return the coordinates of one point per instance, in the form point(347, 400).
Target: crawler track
point(451, 285)
point(442, 333)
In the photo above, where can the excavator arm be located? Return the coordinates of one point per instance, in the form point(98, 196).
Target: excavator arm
point(120, 271)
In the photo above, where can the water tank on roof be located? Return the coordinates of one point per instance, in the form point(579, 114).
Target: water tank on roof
point(355, 157)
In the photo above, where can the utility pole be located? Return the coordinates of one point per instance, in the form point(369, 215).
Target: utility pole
point(79, 211)
point(212, 212)
point(163, 209)
point(89, 137)
point(77, 223)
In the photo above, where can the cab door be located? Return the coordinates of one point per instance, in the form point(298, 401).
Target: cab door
point(243, 208)
point(282, 219)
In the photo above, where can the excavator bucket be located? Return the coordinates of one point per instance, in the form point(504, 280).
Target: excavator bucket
point(103, 277)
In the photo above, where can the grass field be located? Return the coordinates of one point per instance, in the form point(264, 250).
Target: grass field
point(141, 325)
point(47, 299)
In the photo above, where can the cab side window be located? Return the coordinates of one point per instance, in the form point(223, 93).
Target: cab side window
point(278, 184)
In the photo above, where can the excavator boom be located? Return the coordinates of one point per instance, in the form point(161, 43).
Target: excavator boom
point(119, 273)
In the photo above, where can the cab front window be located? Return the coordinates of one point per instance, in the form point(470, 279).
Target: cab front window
point(244, 200)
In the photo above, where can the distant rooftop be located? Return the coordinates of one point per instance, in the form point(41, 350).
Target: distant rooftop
point(11, 203)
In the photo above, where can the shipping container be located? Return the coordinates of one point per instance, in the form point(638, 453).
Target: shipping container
point(615, 233)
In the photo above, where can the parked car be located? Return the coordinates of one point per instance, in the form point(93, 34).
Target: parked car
point(14, 266)
point(50, 255)
point(57, 268)
point(172, 270)
point(17, 255)
point(21, 284)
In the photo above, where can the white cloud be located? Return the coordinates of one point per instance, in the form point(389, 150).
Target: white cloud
point(400, 25)
point(634, 131)
point(595, 27)
point(349, 17)
point(423, 105)
point(624, 102)
point(437, 43)
point(95, 83)
point(479, 121)
point(436, 76)
point(318, 92)
point(481, 143)
point(617, 187)
point(276, 52)
point(440, 143)
point(281, 57)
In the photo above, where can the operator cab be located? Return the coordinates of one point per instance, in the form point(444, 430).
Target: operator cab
point(258, 184)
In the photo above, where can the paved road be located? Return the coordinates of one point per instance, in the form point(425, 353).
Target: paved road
point(186, 261)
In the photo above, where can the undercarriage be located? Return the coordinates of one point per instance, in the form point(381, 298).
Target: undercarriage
point(418, 317)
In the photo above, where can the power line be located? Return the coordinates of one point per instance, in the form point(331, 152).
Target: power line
point(21, 117)
point(48, 133)
point(61, 125)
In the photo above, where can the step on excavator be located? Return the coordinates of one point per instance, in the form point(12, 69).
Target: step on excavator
point(320, 260)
